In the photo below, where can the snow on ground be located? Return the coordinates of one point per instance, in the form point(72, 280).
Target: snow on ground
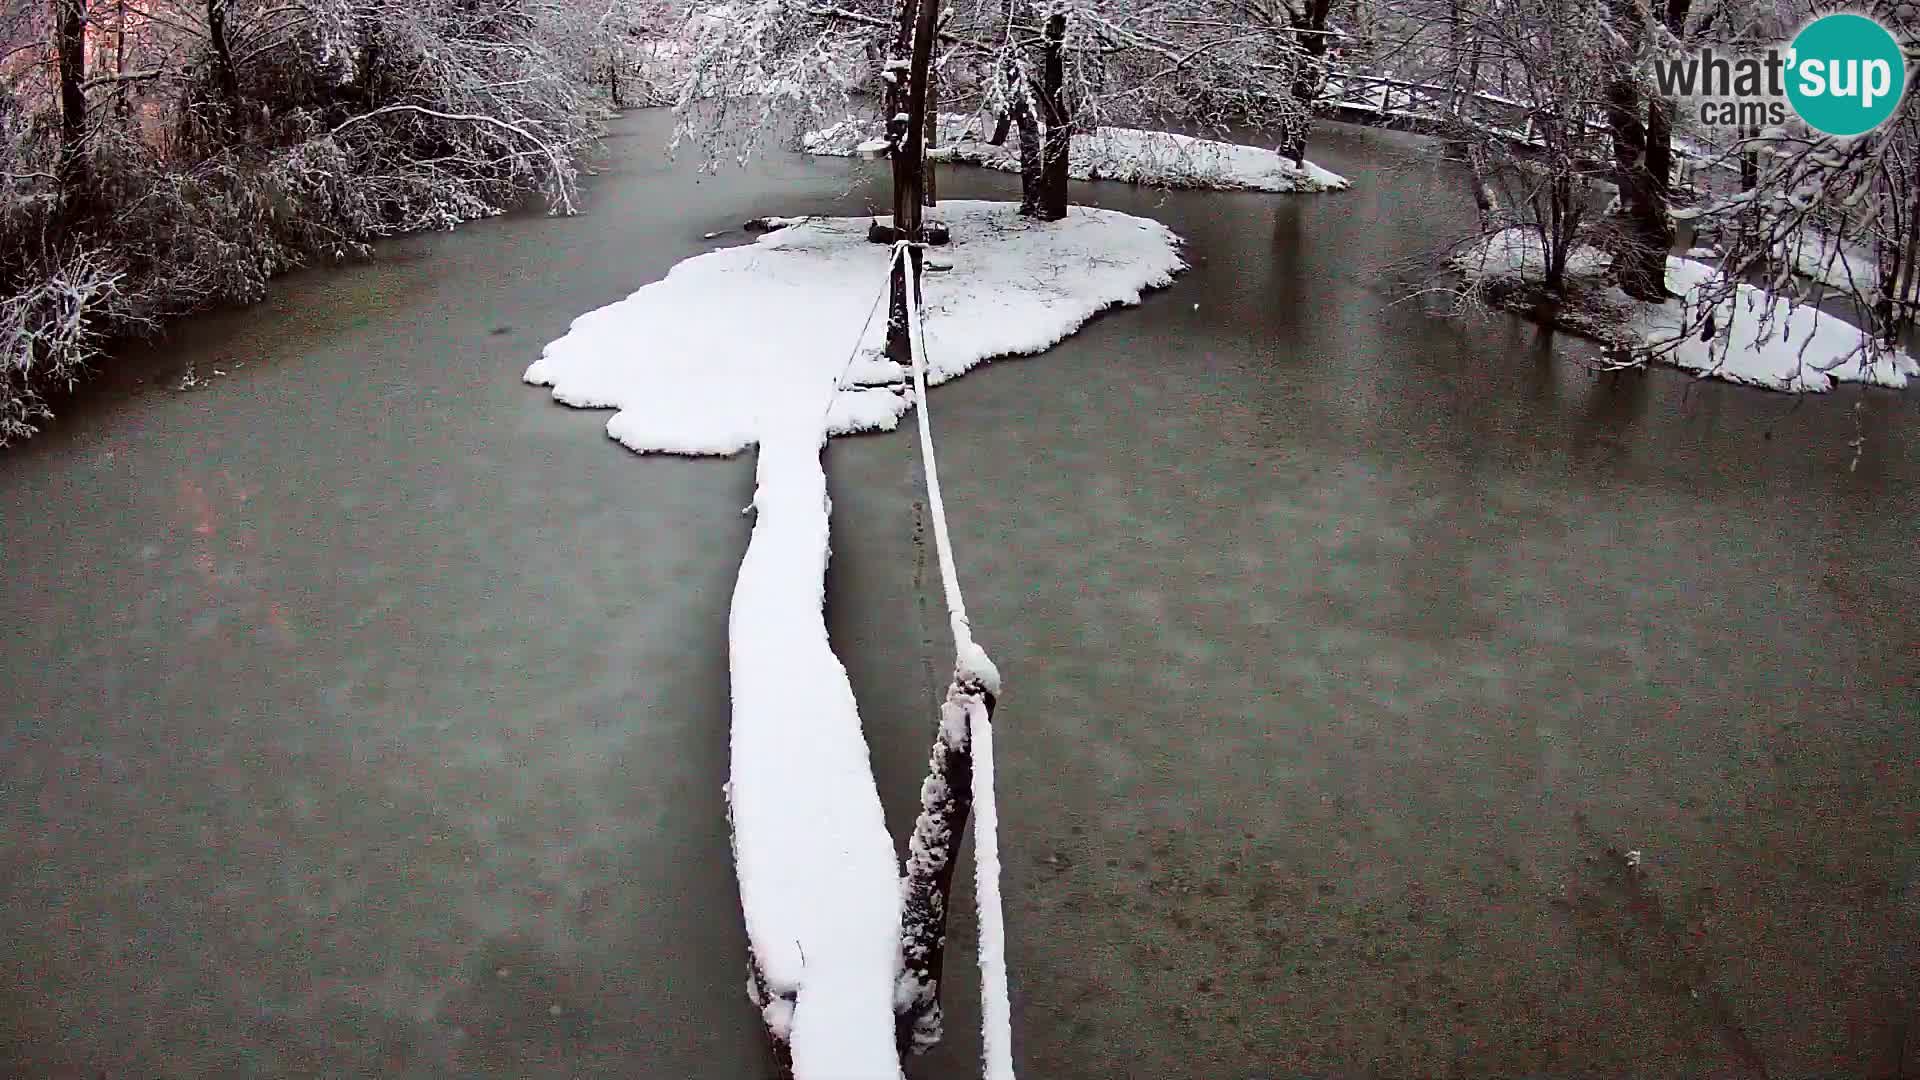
point(1799, 349)
point(1129, 155)
point(750, 345)
point(1521, 254)
point(1762, 339)
point(1827, 259)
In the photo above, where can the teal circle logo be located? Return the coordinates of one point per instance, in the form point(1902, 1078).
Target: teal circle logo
point(1845, 74)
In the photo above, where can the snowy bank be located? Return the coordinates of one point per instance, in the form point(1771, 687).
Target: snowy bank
point(1830, 261)
point(1764, 340)
point(1129, 155)
point(1761, 338)
point(755, 345)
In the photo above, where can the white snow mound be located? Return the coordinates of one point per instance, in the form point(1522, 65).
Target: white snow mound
point(743, 339)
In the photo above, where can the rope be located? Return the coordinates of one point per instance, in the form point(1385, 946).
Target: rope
point(949, 577)
point(995, 1005)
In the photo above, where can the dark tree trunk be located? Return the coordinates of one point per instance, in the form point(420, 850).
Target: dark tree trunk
point(70, 30)
point(613, 79)
point(1660, 151)
point(909, 161)
point(1660, 134)
point(224, 75)
point(1058, 148)
point(1020, 111)
point(1640, 254)
point(1310, 42)
point(899, 63)
point(1749, 163)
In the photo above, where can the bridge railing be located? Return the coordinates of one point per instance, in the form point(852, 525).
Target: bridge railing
point(1378, 97)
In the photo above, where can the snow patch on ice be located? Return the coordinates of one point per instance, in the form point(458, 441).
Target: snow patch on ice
point(1128, 155)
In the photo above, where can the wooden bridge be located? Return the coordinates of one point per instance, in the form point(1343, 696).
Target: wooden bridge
point(1383, 100)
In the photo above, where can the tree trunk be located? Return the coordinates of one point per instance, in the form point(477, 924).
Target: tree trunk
point(899, 64)
point(1900, 287)
point(1311, 49)
point(909, 159)
point(70, 38)
point(1020, 111)
point(1058, 148)
point(224, 75)
point(613, 78)
point(122, 105)
point(1660, 142)
point(1660, 114)
point(1660, 151)
point(1640, 253)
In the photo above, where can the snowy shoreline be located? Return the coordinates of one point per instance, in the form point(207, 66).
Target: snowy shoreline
point(1126, 155)
point(1762, 340)
point(755, 345)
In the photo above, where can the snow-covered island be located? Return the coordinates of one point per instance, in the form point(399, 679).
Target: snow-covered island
point(762, 345)
point(1761, 339)
point(1128, 155)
